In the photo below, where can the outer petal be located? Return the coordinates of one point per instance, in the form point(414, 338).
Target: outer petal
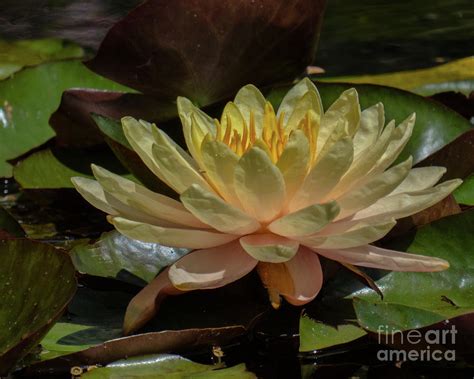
point(176, 170)
point(294, 161)
point(211, 268)
point(144, 200)
point(145, 304)
point(289, 102)
point(269, 247)
point(309, 101)
point(93, 192)
point(205, 124)
point(405, 204)
point(359, 235)
point(420, 178)
point(324, 175)
point(188, 238)
point(250, 100)
point(371, 256)
point(375, 189)
point(299, 280)
point(372, 121)
point(219, 163)
point(212, 210)
point(306, 221)
point(259, 185)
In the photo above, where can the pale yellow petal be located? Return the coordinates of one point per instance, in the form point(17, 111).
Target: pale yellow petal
point(407, 203)
point(372, 121)
point(176, 170)
point(213, 211)
point(370, 192)
point(359, 235)
point(309, 101)
point(294, 161)
point(324, 175)
point(345, 112)
point(203, 124)
point(93, 192)
point(231, 117)
point(174, 237)
point(250, 100)
point(371, 256)
point(420, 178)
point(144, 200)
point(306, 221)
point(259, 185)
point(211, 268)
point(219, 163)
point(294, 95)
point(269, 247)
point(363, 164)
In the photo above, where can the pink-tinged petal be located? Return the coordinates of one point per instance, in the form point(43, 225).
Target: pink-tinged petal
point(144, 306)
point(175, 237)
point(269, 247)
point(211, 268)
point(298, 280)
point(371, 256)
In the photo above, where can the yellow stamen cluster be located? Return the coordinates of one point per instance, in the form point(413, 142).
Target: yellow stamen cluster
point(273, 137)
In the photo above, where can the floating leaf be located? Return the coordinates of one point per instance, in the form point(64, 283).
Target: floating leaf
point(207, 50)
point(117, 256)
point(165, 366)
point(28, 99)
point(75, 127)
point(315, 335)
point(423, 81)
point(36, 282)
point(48, 169)
point(465, 193)
point(8, 225)
point(18, 54)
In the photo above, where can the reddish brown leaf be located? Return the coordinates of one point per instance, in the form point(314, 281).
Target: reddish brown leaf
point(206, 50)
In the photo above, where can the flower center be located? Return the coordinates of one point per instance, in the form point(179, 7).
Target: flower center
point(272, 136)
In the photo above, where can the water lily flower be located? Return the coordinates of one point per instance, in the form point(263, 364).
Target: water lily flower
point(270, 191)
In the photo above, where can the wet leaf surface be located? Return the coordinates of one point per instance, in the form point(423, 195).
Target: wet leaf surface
point(119, 257)
point(28, 99)
point(19, 54)
point(202, 50)
point(36, 282)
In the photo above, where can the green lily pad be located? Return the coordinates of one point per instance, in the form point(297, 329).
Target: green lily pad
point(9, 225)
point(426, 81)
point(465, 193)
point(315, 335)
point(28, 99)
point(37, 281)
point(119, 257)
point(165, 366)
point(48, 169)
point(18, 54)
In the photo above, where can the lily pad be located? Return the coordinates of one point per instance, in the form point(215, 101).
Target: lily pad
point(425, 81)
point(207, 50)
point(165, 366)
point(18, 54)
point(8, 225)
point(465, 193)
point(37, 281)
point(28, 99)
point(52, 169)
point(117, 256)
